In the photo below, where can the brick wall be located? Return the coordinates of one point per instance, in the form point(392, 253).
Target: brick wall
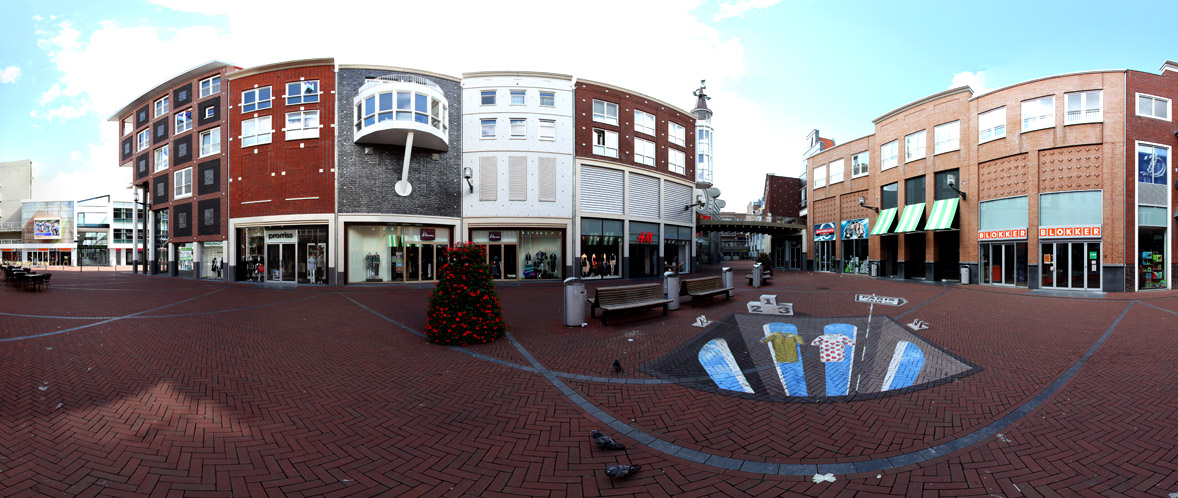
point(1155, 131)
point(583, 97)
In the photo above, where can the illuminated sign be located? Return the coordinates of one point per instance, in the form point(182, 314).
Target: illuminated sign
point(1064, 232)
point(47, 228)
point(1006, 234)
point(646, 238)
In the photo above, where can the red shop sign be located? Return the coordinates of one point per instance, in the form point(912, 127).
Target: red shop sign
point(427, 234)
point(1060, 232)
point(645, 237)
point(1012, 233)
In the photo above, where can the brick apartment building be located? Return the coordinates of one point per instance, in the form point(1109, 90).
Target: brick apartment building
point(1059, 183)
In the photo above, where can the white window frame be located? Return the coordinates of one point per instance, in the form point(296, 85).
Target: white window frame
point(519, 125)
point(142, 140)
point(128, 125)
point(1086, 114)
point(889, 155)
point(522, 94)
point(819, 179)
point(160, 156)
point(644, 151)
point(676, 161)
point(483, 127)
point(214, 142)
point(257, 104)
point(1038, 121)
point(298, 129)
point(256, 131)
point(915, 146)
point(483, 94)
point(644, 122)
point(187, 122)
point(997, 130)
point(547, 129)
point(947, 137)
point(604, 116)
point(214, 86)
point(1154, 98)
point(302, 97)
point(1137, 144)
point(161, 107)
point(676, 133)
point(836, 165)
point(547, 95)
point(860, 164)
point(180, 188)
point(210, 111)
point(601, 142)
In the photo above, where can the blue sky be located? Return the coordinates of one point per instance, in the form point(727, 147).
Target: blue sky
point(775, 69)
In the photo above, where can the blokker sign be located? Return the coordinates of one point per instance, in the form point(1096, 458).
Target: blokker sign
point(1011, 233)
point(1062, 232)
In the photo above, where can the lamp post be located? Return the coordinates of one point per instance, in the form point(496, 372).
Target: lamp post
point(135, 231)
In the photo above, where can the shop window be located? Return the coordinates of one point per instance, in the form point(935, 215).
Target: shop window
point(601, 248)
point(394, 253)
point(644, 250)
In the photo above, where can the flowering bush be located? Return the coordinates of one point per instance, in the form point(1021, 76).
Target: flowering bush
point(464, 308)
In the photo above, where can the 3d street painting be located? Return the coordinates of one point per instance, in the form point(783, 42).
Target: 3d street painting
point(788, 358)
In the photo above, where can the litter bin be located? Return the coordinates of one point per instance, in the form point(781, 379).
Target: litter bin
point(874, 268)
point(726, 273)
point(574, 302)
point(965, 275)
point(671, 286)
point(757, 275)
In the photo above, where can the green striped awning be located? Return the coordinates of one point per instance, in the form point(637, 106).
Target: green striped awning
point(883, 222)
point(910, 218)
point(942, 215)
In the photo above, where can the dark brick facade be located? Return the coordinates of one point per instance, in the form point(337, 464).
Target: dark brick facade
point(290, 176)
point(783, 196)
point(585, 93)
point(367, 173)
point(1155, 131)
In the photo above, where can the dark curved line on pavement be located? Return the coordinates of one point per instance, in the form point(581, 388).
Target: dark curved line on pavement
point(115, 319)
point(194, 313)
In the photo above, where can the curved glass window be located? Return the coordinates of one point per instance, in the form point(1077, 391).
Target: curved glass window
point(402, 106)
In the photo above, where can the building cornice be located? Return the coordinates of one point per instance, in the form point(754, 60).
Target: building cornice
point(632, 93)
point(1078, 73)
point(167, 85)
point(525, 74)
point(930, 98)
point(395, 69)
point(278, 66)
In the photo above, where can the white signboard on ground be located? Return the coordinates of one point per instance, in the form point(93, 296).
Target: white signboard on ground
point(884, 300)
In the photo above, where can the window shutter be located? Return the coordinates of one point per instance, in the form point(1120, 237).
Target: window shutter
point(601, 189)
point(517, 173)
point(547, 179)
point(644, 196)
point(488, 178)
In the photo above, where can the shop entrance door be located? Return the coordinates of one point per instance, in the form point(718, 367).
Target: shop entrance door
point(1071, 265)
point(280, 262)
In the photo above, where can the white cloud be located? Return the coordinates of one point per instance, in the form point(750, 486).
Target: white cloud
point(49, 95)
point(94, 171)
point(9, 74)
point(976, 81)
point(68, 112)
point(738, 8)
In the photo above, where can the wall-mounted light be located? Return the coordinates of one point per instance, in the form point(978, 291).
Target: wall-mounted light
point(699, 202)
point(468, 173)
point(952, 181)
point(863, 203)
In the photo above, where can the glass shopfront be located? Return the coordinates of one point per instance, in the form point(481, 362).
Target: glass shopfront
point(212, 260)
point(1004, 263)
point(1065, 262)
point(184, 264)
point(161, 242)
point(1151, 247)
point(49, 257)
point(1002, 237)
point(854, 234)
point(529, 254)
point(286, 253)
point(644, 250)
point(601, 248)
point(677, 248)
point(824, 247)
point(394, 253)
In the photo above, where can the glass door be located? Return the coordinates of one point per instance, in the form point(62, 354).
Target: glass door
point(288, 262)
point(280, 262)
point(1071, 265)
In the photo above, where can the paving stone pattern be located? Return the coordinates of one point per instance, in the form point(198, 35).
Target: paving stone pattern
point(116, 384)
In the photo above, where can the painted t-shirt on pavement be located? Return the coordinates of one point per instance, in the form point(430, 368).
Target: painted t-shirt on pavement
point(832, 347)
point(783, 346)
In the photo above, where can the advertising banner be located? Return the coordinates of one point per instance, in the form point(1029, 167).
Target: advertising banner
point(1151, 164)
point(46, 228)
point(824, 231)
point(854, 229)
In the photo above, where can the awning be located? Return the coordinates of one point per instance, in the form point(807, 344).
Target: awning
point(883, 222)
point(942, 215)
point(910, 218)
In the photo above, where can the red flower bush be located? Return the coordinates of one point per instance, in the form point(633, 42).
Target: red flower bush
point(464, 307)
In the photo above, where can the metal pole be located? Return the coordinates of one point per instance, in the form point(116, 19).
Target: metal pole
point(135, 231)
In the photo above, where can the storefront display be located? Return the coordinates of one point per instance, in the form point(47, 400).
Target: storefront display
point(389, 253)
point(522, 254)
point(212, 260)
point(644, 250)
point(1070, 235)
point(162, 251)
point(677, 248)
point(1151, 268)
point(824, 248)
point(854, 233)
point(184, 260)
point(601, 248)
point(282, 253)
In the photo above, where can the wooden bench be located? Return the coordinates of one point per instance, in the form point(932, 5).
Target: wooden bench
point(627, 297)
point(702, 287)
point(765, 276)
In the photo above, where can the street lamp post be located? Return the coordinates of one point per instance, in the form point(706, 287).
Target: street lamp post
point(135, 231)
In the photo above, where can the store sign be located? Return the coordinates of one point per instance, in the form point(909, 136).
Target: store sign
point(281, 236)
point(1007, 234)
point(494, 236)
point(47, 228)
point(1068, 232)
point(185, 254)
point(824, 231)
point(428, 234)
point(214, 244)
point(1151, 164)
point(646, 238)
point(854, 229)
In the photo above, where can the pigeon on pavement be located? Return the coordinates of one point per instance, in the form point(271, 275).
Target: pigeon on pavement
point(621, 471)
point(605, 442)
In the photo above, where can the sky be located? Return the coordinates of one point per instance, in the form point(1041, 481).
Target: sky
point(775, 69)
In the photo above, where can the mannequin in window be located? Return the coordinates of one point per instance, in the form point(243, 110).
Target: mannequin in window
point(613, 264)
point(584, 265)
point(312, 261)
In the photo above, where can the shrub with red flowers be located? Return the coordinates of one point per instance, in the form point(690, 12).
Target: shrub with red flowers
point(464, 307)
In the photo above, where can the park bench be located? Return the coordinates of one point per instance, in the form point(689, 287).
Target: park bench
point(765, 276)
point(627, 297)
point(699, 288)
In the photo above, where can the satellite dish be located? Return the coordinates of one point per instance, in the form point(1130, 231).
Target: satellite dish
point(713, 192)
point(720, 203)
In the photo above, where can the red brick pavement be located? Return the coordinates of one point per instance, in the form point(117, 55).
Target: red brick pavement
point(305, 393)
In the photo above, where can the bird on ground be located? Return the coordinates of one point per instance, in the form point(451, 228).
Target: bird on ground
point(617, 366)
point(605, 442)
point(621, 471)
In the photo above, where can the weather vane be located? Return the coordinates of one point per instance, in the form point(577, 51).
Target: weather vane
point(700, 92)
